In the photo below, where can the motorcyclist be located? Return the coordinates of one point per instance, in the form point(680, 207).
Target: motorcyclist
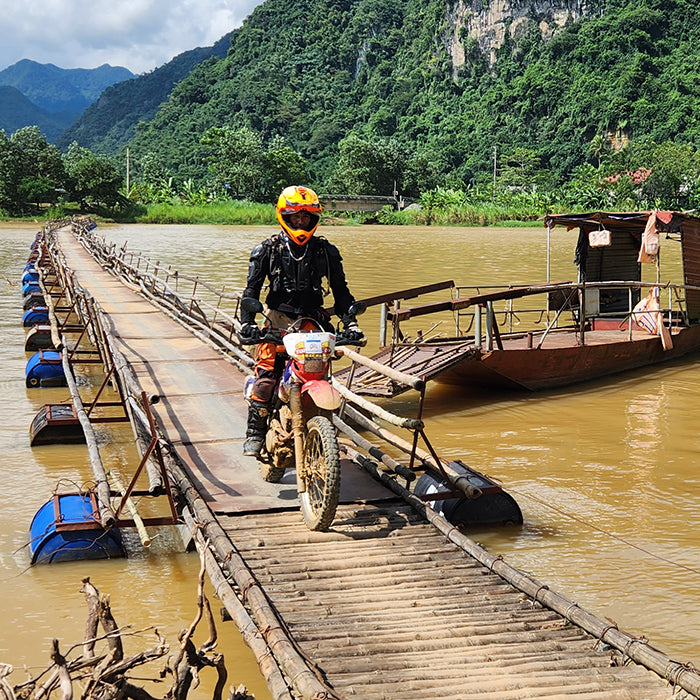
point(296, 263)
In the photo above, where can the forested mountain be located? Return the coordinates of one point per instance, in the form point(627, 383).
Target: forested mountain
point(17, 111)
point(55, 89)
point(450, 82)
point(109, 123)
point(53, 97)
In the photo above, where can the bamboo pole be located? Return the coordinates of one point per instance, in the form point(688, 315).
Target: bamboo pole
point(138, 521)
point(414, 382)
point(393, 439)
point(408, 423)
point(107, 516)
point(388, 461)
point(55, 336)
point(456, 480)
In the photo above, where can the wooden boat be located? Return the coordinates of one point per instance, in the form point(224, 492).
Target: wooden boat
point(606, 322)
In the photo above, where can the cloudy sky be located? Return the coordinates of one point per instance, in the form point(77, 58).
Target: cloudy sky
point(137, 34)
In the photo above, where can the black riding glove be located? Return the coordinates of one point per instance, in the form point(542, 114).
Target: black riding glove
point(247, 317)
point(250, 334)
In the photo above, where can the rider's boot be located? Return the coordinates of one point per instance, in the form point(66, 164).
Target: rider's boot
point(257, 427)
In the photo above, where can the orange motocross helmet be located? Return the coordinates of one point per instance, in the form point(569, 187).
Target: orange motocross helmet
point(293, 200)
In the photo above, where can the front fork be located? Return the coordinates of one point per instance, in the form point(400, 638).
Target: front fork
point(298, 433)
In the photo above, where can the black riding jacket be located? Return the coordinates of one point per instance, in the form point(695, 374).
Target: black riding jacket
point(296, 276)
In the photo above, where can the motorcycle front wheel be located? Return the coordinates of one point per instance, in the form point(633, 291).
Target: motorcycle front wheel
point(321, 474)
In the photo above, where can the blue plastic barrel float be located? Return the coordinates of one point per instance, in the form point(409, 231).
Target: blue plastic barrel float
point(31, 274)
point(66, 528)
point(35, 316)
point(44, 368)
point(30, 287)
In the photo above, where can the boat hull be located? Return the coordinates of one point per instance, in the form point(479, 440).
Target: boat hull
point(563, 362)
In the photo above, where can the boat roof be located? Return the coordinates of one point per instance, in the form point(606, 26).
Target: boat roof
point(634, 221)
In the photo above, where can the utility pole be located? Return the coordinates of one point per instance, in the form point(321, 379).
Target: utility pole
point(127, 172)
point(495, 161)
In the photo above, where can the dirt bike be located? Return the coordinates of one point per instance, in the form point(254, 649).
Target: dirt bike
point(300, 432)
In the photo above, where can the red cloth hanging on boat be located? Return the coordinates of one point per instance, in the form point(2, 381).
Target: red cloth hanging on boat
point(649, 250)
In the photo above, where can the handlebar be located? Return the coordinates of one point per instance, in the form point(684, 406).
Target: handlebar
point(353, 337)
point(269, 336)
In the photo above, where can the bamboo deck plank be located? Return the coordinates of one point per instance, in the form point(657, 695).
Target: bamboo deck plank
point(385, 624)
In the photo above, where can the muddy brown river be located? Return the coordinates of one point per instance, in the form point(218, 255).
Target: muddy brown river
point(606, 473)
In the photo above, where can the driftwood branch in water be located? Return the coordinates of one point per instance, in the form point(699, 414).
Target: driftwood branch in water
point(6, 692)
point(104, 674)
point(190, 661)
point(92, 598)
point(64, 680)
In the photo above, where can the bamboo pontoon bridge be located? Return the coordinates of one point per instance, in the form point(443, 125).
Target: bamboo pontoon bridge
point(393, 601)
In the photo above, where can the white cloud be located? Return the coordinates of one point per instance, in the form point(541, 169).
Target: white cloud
point(137, 34)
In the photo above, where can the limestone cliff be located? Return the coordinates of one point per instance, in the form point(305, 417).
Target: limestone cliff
point(484, 23)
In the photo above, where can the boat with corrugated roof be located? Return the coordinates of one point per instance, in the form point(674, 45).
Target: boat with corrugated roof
point(618, 314)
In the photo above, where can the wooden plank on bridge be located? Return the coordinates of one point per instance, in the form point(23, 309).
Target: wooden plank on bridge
point(200, 405)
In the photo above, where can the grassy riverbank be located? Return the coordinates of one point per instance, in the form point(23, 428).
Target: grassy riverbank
point(247, 213)
point(241, 213)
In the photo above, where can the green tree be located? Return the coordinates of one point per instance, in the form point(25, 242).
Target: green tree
point(93, 179)
point(585, 189)
point(283, 167)
point(522, 170)
point(153, 172)
point(370, 165)
point(154, 184)
point(674, 172)
point(9, 175)
point(39, 168)
point(598, 148)
point(423, 172)
point(238, 160)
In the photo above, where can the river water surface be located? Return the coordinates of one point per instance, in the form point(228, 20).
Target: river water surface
point(606, 473)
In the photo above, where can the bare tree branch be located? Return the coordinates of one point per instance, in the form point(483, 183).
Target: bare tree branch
point(65, 682)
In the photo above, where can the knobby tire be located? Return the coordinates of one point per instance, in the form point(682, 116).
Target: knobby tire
point(322, 469)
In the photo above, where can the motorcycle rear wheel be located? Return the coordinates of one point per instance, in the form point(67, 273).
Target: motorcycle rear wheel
point(322, 474)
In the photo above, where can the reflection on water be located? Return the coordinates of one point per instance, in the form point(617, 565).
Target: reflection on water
point(606, 473)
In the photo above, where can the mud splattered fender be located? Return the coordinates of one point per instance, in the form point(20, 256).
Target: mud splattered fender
point(322, 394)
